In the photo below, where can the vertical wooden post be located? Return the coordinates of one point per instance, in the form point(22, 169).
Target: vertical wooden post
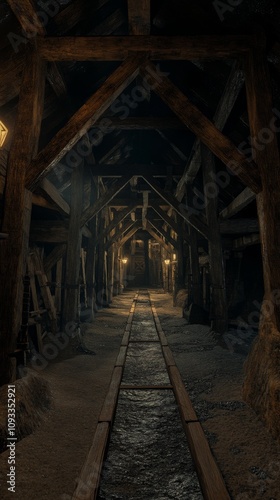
point(110, 265)
point(17, 205)
point(195, 272)
point(266, 154)
point(218, 313)
point(262, 380)
point(58, 279)
point(100, 288)
point(72, 268)
point(91, 254)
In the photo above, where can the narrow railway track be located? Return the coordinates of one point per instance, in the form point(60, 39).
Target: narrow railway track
point(139, 419)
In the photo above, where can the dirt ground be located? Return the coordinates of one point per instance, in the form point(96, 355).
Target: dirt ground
point(49, 460)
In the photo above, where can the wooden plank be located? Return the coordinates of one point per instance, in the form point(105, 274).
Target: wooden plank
point(45, 290)
point(127, 387)
point(139, 17)
point(241, 201)
point(209, 475)
point(49, 232)
point(16, 209)
point(125, 339)
point(184, 403)
point(82, 120)
point(31, 272)
point(226, 104)
point(204, 129)
point(168, 356)
point(192, 219)
point(121, 356)
point(109, 406)
point(104, 200)
point(89, 479)
point(116, 48)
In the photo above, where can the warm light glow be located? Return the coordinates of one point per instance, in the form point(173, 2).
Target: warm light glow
point(174, 256)
point(124, 260)
point(3, 133)
point(167, 262)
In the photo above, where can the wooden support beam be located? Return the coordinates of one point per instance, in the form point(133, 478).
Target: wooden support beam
point(54, 256)
point(145, 208)
point(226, 104)
point(203, 128)
point(49, 231)
point(104, 200)
point(27, 16)
point(82, 120)
point(57, 82)
point(259, 101)
point(157, 237)
point(72, 267)
point(129, 235)
point(168, 220)
point(218, 313)
point(167, 236)
point(119, 217)
point(193, 220)
point(54, 196)
point(139, 17)
point(120, 232)
point(241, 201)
point(17, 204)
point(74, 13)
point(195, 285)
point(116, 48)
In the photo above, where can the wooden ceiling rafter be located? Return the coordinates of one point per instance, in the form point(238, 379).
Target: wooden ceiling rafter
point(82, 120)
point(192, 219)
point(117, 48)
point(225, 106)
point(204, 129)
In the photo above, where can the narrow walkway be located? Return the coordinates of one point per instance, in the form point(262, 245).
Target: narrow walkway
point(148, 456)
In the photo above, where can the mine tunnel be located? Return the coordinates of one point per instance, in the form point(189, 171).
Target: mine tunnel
point(139, 249)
